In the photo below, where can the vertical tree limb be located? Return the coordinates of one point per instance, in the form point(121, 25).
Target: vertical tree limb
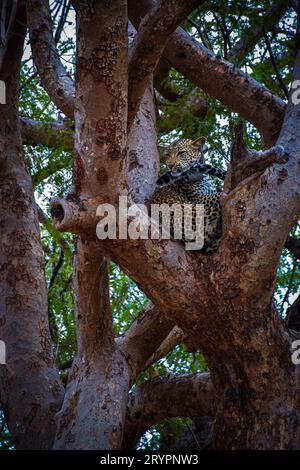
point(30, 389)
point(162, 20)
point(99, 380)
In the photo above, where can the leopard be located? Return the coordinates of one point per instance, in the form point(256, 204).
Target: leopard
point(188, 181)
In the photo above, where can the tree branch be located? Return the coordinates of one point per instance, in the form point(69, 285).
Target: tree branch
point(254, 33)
point(175, 337)
point(99, 381)
point(143, 338)
point(234, 88)
point(249, 221)
point(31, 392)
point(220, 79)
point(55, 78)
point(52, 134)
point(276, 70)
point(149, 43)
point(142, 171)
point(245, 162)
point(94, 329)
point(161, 397)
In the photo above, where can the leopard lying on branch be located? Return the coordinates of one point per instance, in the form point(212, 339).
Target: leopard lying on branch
point(188, 182)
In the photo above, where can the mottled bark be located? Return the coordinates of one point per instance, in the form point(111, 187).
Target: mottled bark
point(53, 134)
point(162, 397)
point(235, 89)
point(220, 79)
point(94, 407)
point(143, 338)
point(176, 336)
point(8, 15)
point(55, 78)
point(225, 300)
point(254, 235)
point(98, 384)
point(155, 28)
point(30, 388)
point(142, 162)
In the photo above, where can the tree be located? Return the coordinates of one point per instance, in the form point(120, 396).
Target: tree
point(223, 304)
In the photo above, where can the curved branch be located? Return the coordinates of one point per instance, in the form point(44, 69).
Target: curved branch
point(56, 235)
point(246, 162)
point(220, 79)
point(161, 397)
point(55, 78)
point(52, 134)
point(149, 43)
point(162, 82)
point(159, 258)
point(148, 339)
point(142, 171)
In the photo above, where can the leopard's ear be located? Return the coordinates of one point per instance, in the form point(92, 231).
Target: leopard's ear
point(199, 143)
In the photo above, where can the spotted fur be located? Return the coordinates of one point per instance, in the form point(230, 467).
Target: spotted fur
point(188, 182)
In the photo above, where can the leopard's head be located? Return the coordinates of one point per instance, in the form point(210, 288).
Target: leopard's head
point(182, 153)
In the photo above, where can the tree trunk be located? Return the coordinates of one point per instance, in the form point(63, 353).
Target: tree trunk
point(30, 389)
point(221, 304)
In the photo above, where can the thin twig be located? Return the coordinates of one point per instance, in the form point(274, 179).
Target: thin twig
point(62, 20)
point(276, 70)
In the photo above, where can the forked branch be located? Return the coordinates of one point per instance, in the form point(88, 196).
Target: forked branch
point(246, 162)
